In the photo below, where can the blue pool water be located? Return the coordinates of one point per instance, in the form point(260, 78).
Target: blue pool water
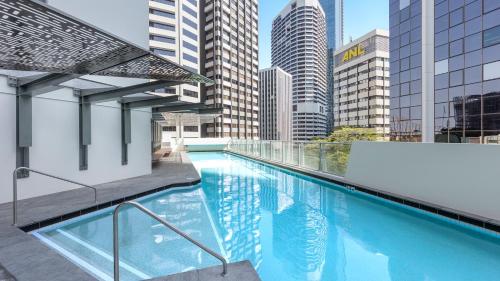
point(291, 227)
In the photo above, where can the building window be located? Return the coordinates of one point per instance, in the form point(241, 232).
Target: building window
point(162, 26)
point(166, 91)
point(169, 129)
point(164, 39)
point(189, 58)
point(169, 15)
point(190, 93)
point(163, 52)
point(194, 2)
point(189, 46)
point(189, 22)
point(491, 36)
point(441, 67)
point(189, 11)
point(190, 34)
point(192, 129)
point(491, 70)
point(166, 2)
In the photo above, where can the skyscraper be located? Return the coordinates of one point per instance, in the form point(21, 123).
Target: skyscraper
point(230, 42)
point(275, 97)
point(445, 78)
point(174, 33)
point(299, 47)
point(334, 12)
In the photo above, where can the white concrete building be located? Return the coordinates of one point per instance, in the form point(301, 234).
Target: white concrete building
point(231, 59)
point(299, 47)
point(174, 33)
point(275, 102)
point(361, 83)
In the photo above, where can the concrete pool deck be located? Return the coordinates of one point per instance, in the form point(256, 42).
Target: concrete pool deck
point(24, 257)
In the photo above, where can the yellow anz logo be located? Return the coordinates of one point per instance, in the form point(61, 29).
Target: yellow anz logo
point(353, 52)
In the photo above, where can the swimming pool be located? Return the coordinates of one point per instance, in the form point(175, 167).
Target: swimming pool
point(290, 226)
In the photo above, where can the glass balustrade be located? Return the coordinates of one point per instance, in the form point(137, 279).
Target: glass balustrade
point(331, 158)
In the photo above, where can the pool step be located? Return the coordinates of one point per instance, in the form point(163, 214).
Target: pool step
point(237, 271)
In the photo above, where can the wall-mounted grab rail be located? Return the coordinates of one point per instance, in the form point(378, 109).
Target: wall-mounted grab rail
point(116, 254)
point(14, 185)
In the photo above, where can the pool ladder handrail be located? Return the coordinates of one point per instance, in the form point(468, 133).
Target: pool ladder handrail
point(116, 254)
point(14, 187)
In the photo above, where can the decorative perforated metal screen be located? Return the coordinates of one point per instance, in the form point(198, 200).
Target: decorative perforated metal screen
point(36, 37)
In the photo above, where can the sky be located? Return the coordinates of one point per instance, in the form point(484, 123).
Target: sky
point(360, 17)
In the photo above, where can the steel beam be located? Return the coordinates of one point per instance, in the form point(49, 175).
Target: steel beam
point(156, 101)
point(100, 95)
point(181, 107)
point(41, 84)
point(126, 132)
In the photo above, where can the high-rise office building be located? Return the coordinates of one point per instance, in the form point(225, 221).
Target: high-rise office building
point(275, 103)
point(445, 77)
point(230, 46)
point(174, 33)
point(299, 47)
point(361, 83)
point(334, 12)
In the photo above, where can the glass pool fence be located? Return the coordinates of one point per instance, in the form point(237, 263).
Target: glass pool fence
point(325, 157)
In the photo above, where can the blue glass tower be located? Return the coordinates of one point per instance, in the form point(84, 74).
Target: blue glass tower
point(334, 11)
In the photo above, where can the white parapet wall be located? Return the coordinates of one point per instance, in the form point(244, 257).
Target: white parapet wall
point(462, 177)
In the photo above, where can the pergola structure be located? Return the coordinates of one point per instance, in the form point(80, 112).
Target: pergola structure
point(60, 48)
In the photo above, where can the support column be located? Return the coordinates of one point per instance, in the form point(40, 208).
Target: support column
point(85, 131)
point(428, 71)
point(23, 132)
point(126, 133)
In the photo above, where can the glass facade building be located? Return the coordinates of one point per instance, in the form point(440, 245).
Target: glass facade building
point(334, 15)
point(406, 70)
point(463, 104)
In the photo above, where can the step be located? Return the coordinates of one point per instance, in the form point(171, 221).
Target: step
point(238, 271)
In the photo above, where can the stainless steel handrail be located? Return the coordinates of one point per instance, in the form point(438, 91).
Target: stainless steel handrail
point(116, 254)
point(14, 185)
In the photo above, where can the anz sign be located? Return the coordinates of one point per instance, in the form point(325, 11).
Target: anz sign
point(356, 51)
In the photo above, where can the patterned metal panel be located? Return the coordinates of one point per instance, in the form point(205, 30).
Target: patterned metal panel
point(36, 37)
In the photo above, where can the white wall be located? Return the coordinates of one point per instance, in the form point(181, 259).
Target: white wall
point(464, 177)
point(55, 143)
point(55, 146)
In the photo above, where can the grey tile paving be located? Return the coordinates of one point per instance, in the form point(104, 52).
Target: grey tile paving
point(49, 206)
